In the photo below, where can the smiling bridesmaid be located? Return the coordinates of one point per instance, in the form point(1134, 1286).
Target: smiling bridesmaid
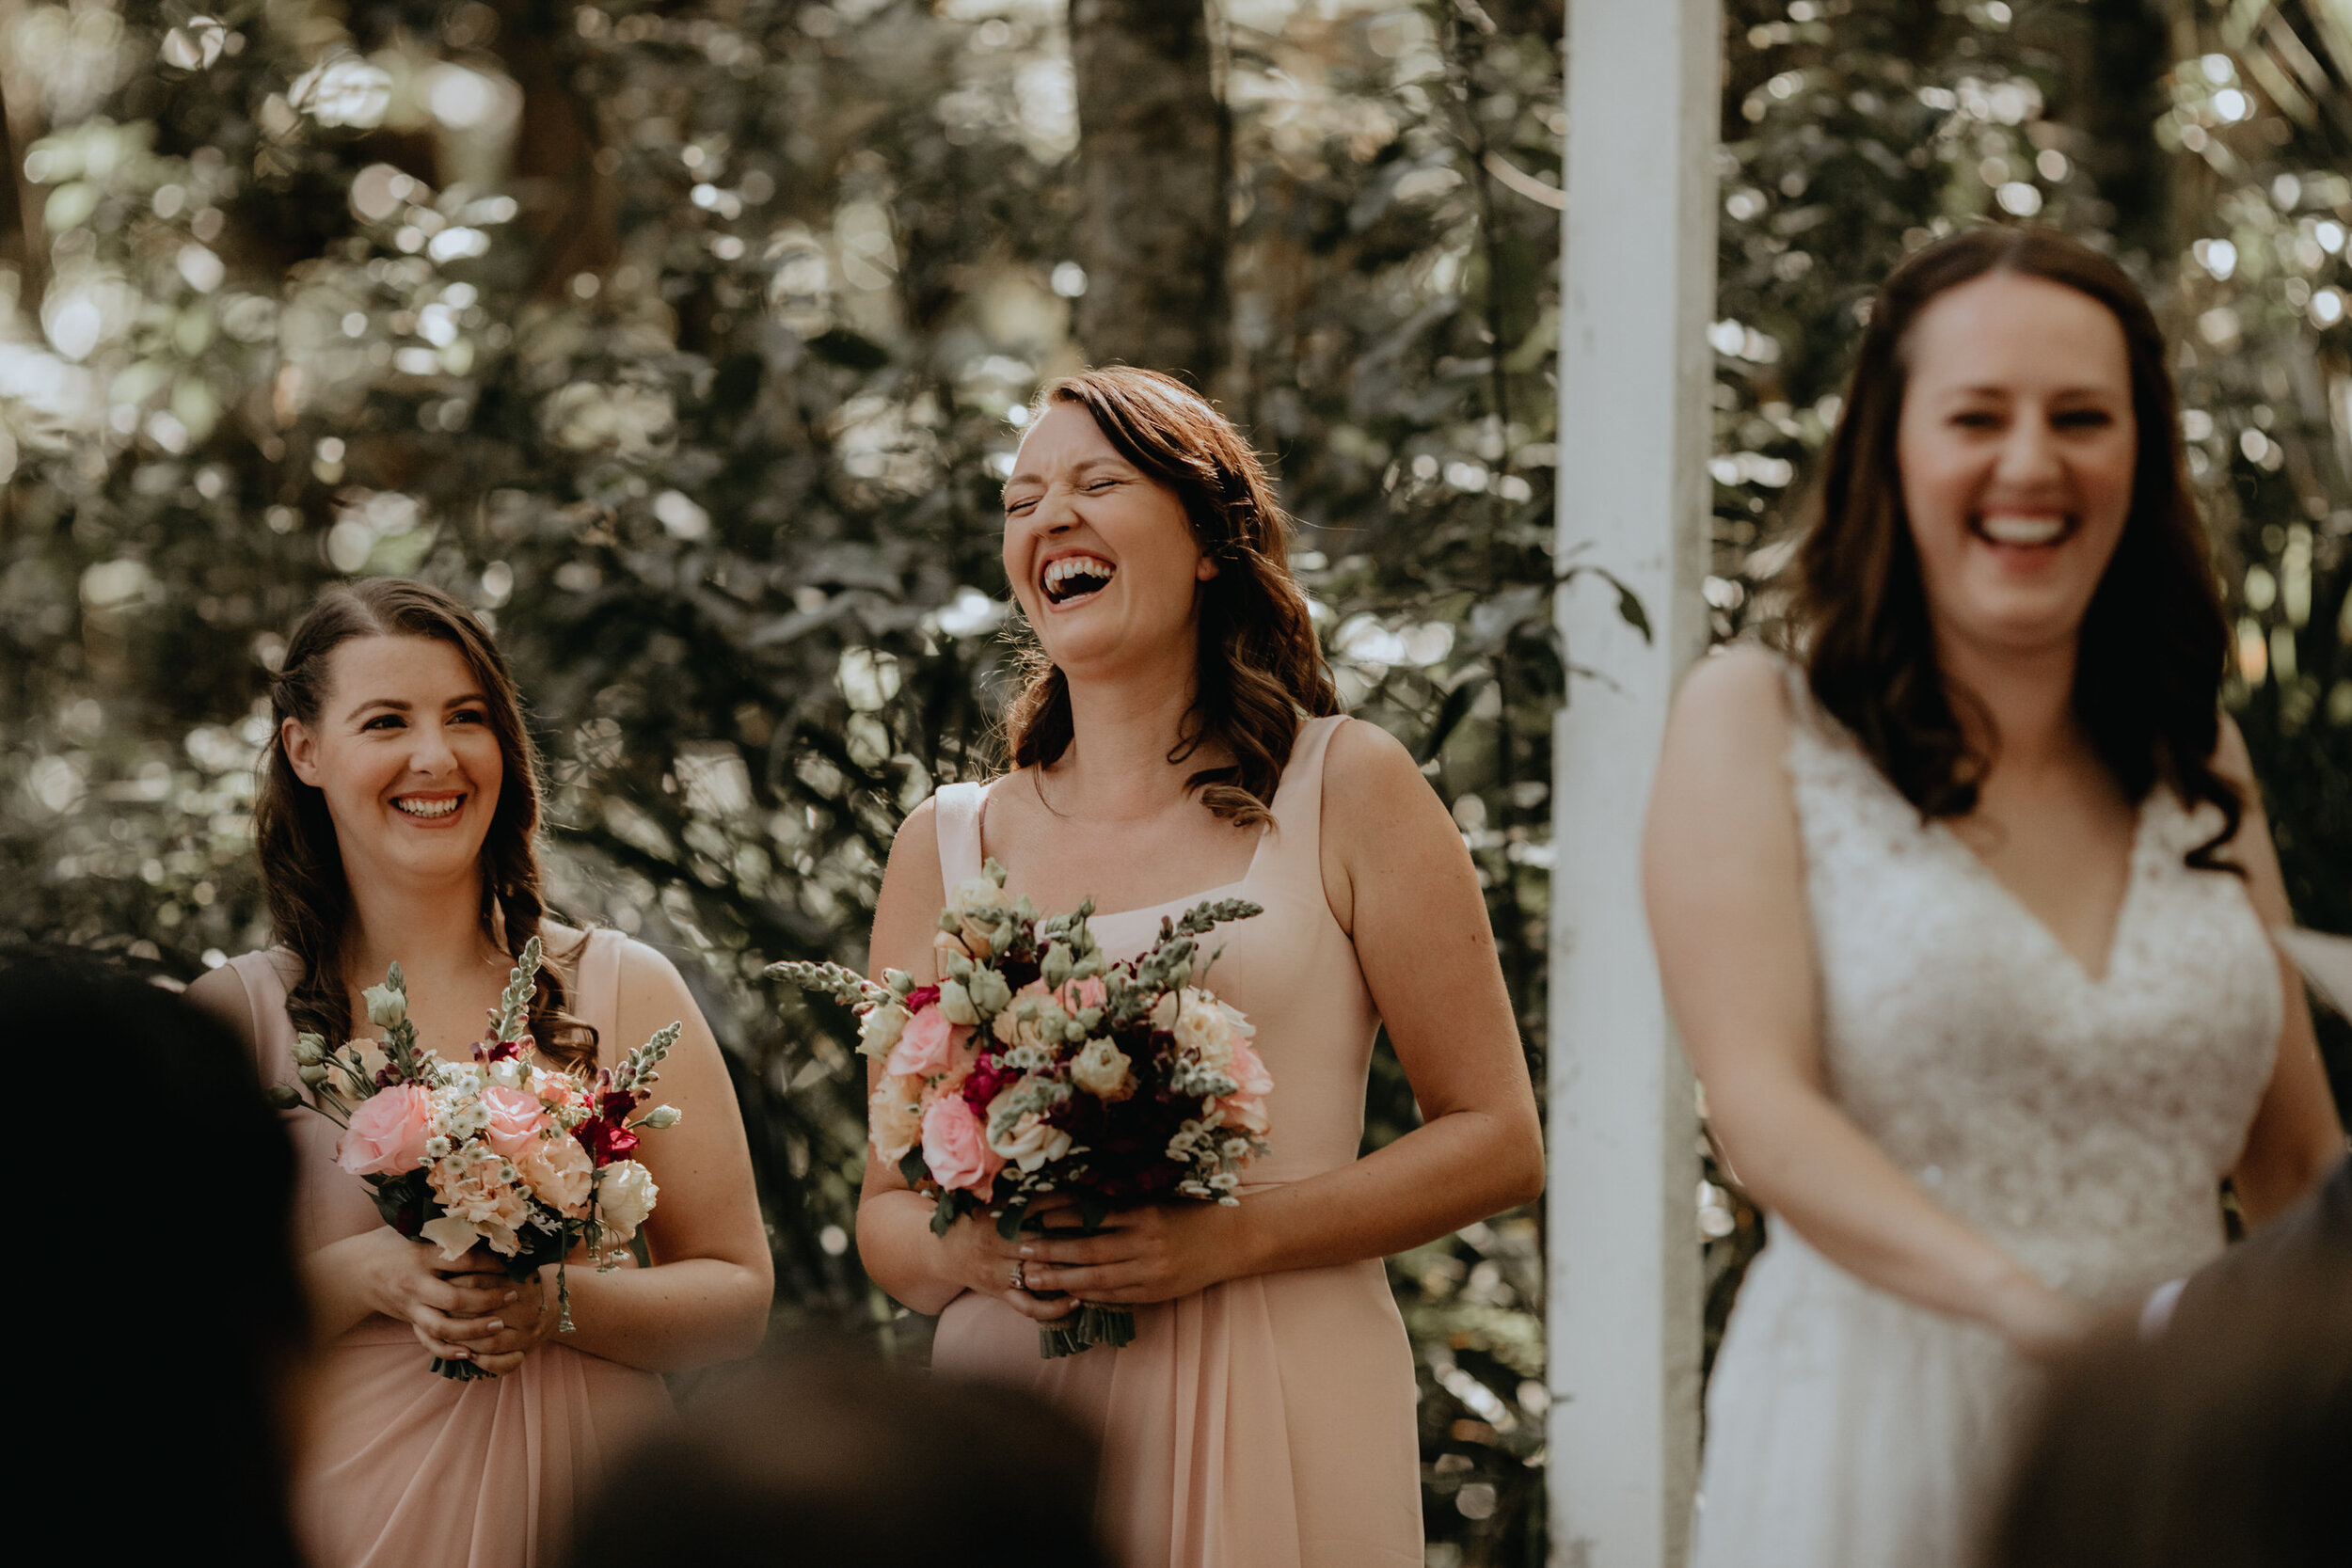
point(1179, 737)
point(397, 821)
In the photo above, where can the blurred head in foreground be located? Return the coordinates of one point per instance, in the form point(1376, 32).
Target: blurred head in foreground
point(2227, 1439)
point(181, 1331)
point(824, 1458)
point(2007, 481)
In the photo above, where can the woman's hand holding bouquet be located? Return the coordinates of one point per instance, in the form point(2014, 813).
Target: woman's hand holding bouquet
point(502, 1163)
point(1037, 1075)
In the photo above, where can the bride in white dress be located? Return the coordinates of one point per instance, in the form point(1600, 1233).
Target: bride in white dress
point(1964, 917)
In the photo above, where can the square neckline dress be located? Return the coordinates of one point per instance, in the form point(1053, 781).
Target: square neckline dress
point(398, 1466)
point(1267, 1421)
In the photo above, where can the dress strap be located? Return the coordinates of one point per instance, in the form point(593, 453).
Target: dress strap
point(596, 987)
point(957, 809)
point(1297, 803)
point(265, 986)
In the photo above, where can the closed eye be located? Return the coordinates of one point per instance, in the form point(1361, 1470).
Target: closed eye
point(1977, 419)
point(2084, 419)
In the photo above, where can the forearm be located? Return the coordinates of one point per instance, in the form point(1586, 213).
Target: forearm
point(899, 1253)
point(1805, 1159)
point(1452, 1170)
point(666, 1319)
point(332, 1283)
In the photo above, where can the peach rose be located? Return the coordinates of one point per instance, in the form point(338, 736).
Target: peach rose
point(560, 1175)
point(516, 1120)
point(1077, 995)
point(1245, 1107)
point(388, 1132)
point(929, 1045)
point(893, 1117)
point(955, 1147)
point(625, 1195)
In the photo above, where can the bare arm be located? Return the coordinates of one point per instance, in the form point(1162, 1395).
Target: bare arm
point(1401, 882)
point(2296, 1139)
point(1724, 879)
point(706, 1297)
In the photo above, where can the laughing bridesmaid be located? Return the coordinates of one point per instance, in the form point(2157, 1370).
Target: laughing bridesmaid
point(1178, 739)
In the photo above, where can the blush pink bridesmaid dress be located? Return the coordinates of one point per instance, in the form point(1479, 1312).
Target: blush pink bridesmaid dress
point(399, 1468)
point(1268, 1421)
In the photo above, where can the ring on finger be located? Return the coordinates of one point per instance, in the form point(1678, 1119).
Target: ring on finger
point(1020, 1273)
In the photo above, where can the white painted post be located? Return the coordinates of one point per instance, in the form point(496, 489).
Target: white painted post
point(1638, 283)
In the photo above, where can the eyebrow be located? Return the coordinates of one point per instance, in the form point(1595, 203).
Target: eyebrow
point(1034, 478)
point(2078, 392)
point(401, 704)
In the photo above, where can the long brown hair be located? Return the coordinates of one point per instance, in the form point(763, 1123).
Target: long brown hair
point(1260, 664)
point(2154, 642)
point(302, 866)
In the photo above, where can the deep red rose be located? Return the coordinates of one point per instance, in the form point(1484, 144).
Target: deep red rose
point(986, 1077)
point(606, 1140)
point(920, 998)
point(501, 1050)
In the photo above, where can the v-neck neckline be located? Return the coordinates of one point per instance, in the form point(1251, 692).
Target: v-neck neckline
point(2132, 878)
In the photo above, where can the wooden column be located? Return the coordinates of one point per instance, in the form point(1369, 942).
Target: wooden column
point(1638, 284)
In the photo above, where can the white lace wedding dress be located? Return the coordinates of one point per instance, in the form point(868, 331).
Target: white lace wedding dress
point(2081, 1123)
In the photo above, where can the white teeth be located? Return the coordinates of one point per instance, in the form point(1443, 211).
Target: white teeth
point(1061, 570)
point(2008, 528)
point(428, 808)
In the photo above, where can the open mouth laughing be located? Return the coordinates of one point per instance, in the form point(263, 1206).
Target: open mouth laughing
point(1068, 579)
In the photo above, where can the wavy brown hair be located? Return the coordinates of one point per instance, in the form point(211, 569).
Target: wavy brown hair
point(1260, 665)
point(2154, 642)
point(302, 866)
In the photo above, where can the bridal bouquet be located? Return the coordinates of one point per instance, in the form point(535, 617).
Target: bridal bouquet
point(1036, 1067)
point(501, 1151)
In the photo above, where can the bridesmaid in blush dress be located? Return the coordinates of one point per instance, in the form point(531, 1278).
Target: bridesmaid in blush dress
point(1263, 1416)
point(396, 823)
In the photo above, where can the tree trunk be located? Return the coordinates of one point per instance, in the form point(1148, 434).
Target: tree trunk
point(1153, 148)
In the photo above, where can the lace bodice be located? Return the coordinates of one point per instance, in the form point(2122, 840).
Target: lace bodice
point(2082, 1124)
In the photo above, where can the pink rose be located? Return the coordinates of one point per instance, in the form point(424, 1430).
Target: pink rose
point(1245, 1107)
point(955, 1147)
point(927, 1045)
point(516, 1119)
point(1077, 995)
point(388, 1132)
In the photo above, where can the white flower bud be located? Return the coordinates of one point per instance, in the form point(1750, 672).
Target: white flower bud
point(661, 1118)
point(387, 1007)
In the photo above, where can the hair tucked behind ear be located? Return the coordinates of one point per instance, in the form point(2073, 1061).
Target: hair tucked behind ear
point(302, 866)
point(2154, 642)
point(1260, 664)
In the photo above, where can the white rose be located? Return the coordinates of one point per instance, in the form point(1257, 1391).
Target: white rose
point(625, 1195)
point(1206, 1029)
point(1027, 1140)
point(1101, 1069)
point(880, 1029)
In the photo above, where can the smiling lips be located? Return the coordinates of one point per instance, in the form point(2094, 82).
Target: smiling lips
point(428, 808)
point(2024, 530)
point(1074, 576)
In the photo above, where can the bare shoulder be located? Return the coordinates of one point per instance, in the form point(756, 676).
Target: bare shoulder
point(914, 849)
point(1369, 777)
point(221, 992)
point(647, 973)
point(1742, 690)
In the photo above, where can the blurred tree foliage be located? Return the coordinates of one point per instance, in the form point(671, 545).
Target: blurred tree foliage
point(689, 341)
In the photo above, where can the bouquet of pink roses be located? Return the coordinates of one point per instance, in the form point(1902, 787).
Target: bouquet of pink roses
point(1038, 1067)
point(527, 1160)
